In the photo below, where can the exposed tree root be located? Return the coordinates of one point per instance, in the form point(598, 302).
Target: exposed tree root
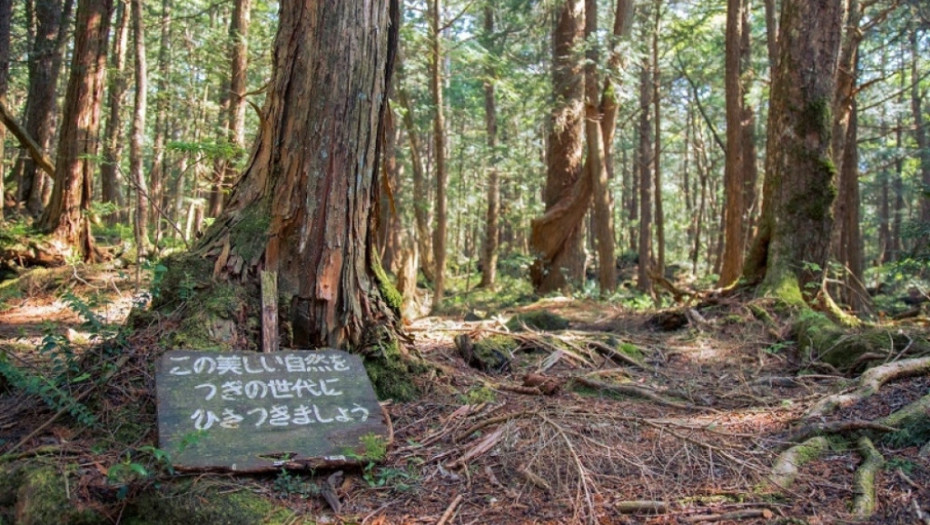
point(872, 461)
point(786, 466)
point(869, 384)
point(631, 390)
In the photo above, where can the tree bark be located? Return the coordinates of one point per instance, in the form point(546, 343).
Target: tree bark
point(235, 96)
point(556, 237)
point(920, 130)
point(646, 184)
point(303, 206)
point(596, 163)
point(110, 179)
point(158, 171)
point(800, 184)
point(439, 143)
point(6, 15)
point(65, 218)
point(44, 68)
point(657, 156)
point(492, 222)
point(140, 223)
point(733, 171)
point(420, 191)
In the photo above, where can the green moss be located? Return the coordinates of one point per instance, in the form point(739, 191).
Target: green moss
point(495, 345)
point(631, 350)
point(783, 285)
point(42, 498)
point(537, 320)
point(250, 234)
point(390, 372)
point(913, 424)
point(390, 294)
point(182, 503)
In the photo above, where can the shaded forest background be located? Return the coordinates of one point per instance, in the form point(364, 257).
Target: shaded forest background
point(184, 87)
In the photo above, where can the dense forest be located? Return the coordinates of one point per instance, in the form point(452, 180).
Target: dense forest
point(698, 228)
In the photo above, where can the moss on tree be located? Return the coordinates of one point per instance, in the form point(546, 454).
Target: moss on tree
point(537, 320)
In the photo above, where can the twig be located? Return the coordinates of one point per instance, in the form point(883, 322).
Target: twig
point(449, 510)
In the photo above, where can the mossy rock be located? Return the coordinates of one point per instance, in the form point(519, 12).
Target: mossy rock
point(182, 503)
point(537, 320)
point(41, 498)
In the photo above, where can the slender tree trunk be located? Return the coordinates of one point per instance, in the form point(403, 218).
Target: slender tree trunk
point(771, 32)
point(6, 15)
point(492, 224)
point(920, 130)
point(235, 103)
point(439, 141)
point(657, 156)
point(65, 218)
point(800, 184)
point(733, 171)
point(556, 238)
point(420, 189)
point(158, 172)
point(847, 247)
point(136, 168)
point(748, 126)
point(646, 184)
point(44, 68)
point(897, 189)
point(110, 178)
point(596, 168)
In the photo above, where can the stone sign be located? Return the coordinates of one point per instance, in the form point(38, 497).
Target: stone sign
point(253, 412)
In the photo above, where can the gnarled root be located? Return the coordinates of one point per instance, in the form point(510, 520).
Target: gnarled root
point(786, 466)
point(872, 461)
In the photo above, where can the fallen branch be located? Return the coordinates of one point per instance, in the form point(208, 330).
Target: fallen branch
point(631, 390)
point(450, 510)
point(483, 446)
point(642, 507)
point(732, 516)
point(864, 502)
point(27, 142)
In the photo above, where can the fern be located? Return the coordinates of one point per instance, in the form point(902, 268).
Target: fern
point(46, 390)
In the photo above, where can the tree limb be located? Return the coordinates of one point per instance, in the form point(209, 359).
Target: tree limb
point(35, 151)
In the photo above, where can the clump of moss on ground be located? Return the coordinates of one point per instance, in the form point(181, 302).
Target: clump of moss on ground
point(186, 502)
point(36, 495)
point(537, 320)
point(391, 371)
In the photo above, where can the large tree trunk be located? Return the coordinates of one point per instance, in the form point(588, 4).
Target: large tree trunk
point(303, 207)
point(556, 238)
point(110, 179)
point(44, 67)
point(65, 218)
point(492, 222)
point(140, 222)
point(800, 184)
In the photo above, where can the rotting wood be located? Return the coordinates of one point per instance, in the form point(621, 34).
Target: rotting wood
point(747, 514)
point(864, 502)
point(269, 284)
point(642, 507)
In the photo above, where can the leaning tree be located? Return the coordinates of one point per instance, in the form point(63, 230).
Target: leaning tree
point(300, 219)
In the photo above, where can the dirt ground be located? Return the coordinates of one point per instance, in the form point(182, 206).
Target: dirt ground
point(709, 408)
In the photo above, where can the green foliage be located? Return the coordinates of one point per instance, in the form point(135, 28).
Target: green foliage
point(288, 484)
point(479, 395)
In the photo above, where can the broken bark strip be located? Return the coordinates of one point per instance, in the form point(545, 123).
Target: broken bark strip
point(864, 502)
point(786, 466)
point(869, 383)
point(35, 151)
point(635, 391)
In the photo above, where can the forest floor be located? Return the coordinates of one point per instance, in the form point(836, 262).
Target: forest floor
point(710, 406)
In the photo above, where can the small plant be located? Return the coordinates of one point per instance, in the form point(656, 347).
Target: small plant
point(289, 484)
point(476, 396)
point(778, 347)
point(375, 446)
point(396, 478)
